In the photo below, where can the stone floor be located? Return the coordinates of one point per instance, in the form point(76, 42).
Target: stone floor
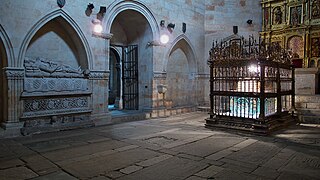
point(178, 147)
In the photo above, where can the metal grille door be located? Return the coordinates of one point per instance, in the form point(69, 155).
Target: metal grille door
point(130, 77)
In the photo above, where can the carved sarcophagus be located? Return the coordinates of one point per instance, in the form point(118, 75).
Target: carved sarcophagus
point(54, 95)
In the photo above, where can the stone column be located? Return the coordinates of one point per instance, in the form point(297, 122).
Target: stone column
point(14, 78)
point(99, 79)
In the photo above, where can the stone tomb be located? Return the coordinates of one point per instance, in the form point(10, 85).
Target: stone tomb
point(54, 95)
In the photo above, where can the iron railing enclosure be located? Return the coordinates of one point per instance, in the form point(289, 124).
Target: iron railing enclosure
point(251, 85)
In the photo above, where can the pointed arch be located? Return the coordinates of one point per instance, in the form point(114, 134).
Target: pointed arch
point(183, 42)
point(119, 5)
point(8, 48)
point(6, 59)
point(43, 21)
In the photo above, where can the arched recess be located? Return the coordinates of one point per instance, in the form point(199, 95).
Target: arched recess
point(119, 6)
point(114, 79)
point(6, 58)
point(180, 66)
point(296, 45)
point(133, 26)
point(185, 45)
point(68, 30)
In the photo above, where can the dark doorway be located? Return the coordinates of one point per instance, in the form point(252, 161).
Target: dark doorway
point(114, 80)
point(123, 80)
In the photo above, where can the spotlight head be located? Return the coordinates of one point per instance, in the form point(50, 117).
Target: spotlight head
point(101, 13)
point(249, 21)
point(162, 23)
point(89, 9)
point(171, 25)
point(164, 39)
point(184, 27)
point(90, 6)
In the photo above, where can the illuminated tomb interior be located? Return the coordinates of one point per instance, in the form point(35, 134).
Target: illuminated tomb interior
point(251, 85)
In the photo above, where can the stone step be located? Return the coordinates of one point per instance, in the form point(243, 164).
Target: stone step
point(203, 108)
point(309, 119)
point(309, 112)
point(1, 132)
point(307, 98)
point(119, 117)
point(307, 105)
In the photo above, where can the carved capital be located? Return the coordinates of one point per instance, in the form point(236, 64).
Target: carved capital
point(202, 76)
point(99, 74)
point(102, 35)
point(14, 73)
point(160, 75)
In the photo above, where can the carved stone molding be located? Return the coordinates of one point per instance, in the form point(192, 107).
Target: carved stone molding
point(55, 106)
point(102, 35)
point(99, 74)
point(14, 73)
point(160, 75)
point(41, 67)
point(202, 76)
point(58, 85)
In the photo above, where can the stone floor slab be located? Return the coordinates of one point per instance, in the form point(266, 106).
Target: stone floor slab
point(154, 160)
point(130, 169)
point(91, 167)
point(173, 168)
point(209, 171)
point(4, 164)
point(59, 175)
point(17, 173)
point(208, 146)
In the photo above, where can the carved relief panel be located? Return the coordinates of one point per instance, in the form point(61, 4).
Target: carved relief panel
point(295, 15)
point(315, 47)
point(315, 9)
point(278, 15)
point(296, 45)
point(52, 89)
point(296, 21)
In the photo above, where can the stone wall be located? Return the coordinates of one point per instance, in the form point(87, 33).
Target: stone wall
point(221, 16)
point(62, 36)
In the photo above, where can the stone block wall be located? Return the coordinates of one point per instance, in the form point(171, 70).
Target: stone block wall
point(221, 16)
point(64, 36)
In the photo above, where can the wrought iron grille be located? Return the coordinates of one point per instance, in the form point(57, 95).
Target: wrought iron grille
point(130, 78)
point(251, 85)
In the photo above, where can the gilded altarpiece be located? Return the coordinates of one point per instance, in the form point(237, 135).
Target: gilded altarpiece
point(295, 25)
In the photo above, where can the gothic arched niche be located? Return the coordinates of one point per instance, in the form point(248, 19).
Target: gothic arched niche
point(277, 15)
point(296, 45)
point(3, 84)
point(131, 28)
point(180, 80)
point(57, 41)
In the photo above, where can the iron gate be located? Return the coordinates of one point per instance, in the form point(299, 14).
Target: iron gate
point(130, 77)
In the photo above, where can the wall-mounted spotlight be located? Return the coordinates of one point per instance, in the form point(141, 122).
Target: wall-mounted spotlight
point(89, 9)
point(164, 39)
point(249, 21)
point(162, 23)
point(170, 27)
point(101, 13)
point(235, 29)
point(97, 27)
point(184, 27)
